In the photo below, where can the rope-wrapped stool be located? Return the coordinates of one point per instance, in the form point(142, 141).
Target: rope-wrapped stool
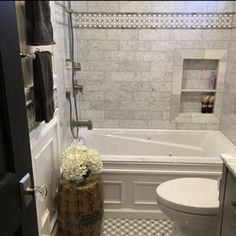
point(80, 207)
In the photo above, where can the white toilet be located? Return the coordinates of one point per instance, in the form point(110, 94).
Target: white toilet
point(192, 204)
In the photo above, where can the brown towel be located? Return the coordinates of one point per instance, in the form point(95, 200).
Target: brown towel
point(43, 86)
point(39, 29)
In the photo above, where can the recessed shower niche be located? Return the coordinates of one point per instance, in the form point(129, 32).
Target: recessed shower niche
point(198, 84)
point(198, 79)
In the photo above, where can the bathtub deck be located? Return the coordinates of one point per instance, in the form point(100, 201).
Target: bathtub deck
point(136, 227)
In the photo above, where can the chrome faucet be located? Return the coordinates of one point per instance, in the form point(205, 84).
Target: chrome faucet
point(83, 123)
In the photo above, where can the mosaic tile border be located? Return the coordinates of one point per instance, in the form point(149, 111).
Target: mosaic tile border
point(154, 20)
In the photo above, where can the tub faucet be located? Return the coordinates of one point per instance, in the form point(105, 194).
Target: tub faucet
point(83, 123)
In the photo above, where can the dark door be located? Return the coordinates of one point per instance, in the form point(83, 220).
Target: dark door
point(16, 218)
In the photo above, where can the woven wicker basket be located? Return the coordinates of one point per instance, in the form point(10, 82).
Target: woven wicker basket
point(80, 208)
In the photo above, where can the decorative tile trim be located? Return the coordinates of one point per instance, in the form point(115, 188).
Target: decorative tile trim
point(155, 20)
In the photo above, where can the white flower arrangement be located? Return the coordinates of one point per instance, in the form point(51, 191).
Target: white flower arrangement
point(78, 161)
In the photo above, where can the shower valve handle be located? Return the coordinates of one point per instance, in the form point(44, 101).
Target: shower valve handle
point(79, 88)
point(77, 66)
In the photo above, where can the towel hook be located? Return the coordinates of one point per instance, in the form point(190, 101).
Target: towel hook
point(27, 55)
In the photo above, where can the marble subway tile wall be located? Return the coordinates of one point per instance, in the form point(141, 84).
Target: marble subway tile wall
point(127, 73)
point(63, 71)
point(228, 122)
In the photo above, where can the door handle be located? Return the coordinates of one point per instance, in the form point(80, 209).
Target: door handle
point(28, 192)
point(38, 191)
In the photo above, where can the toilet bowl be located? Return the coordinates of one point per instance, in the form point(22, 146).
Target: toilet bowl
point(192, 204)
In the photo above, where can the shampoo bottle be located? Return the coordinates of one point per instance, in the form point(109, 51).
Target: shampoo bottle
point(212, 81)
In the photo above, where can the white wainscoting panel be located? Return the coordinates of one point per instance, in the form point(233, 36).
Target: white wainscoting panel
point(113, 192)
point(145, 193)
point(45, 160)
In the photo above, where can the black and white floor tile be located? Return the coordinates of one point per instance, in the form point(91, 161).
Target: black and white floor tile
point(136, 227)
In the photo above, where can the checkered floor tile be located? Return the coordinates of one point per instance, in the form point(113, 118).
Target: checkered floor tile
point(135, 227)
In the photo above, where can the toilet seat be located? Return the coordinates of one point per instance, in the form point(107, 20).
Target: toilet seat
point(190, 195)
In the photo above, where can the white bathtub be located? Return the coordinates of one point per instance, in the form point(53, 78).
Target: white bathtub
point(136, 161)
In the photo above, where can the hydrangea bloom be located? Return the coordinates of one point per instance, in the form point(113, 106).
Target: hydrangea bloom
point(78, 160)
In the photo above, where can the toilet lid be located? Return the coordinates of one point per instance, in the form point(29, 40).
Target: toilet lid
point(190, 195)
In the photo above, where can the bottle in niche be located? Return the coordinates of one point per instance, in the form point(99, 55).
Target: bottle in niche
point(210, 104)
point(212, 81)
point(204, 103)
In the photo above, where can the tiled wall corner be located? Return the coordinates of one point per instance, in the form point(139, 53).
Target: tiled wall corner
point(228, 118)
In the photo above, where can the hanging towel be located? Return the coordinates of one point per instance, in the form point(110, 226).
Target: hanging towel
point(39, 29)
point(43, 86)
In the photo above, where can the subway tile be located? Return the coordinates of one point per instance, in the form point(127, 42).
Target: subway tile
point(216, 44)
point(143, 45)
point(142, 124)
point(96, 56)
point(153, 76)
point(160, 124)
point(201, 6)
point(103, 66)
point(186, 34)
point(168, 6)
point(216, 54)
point(91, 33)
point(140, 45)
point(101, 123)
point(190, 44)
point(89, 96)
point(161, 86)
point(102, 6)
point(158, 106)
point(95, 114)
point(128, 45)
point(215, 35)
point(90, 75)
point(119, 56)
point(151, 56)
point(157, 45)
point(135, 66)
point(80, 6)
point(122, 76)
point(161, 66)
point(225, 6)
point(166, 115)
point(85, 105)
point(153, 34)
point(118, 114)
point(193, 126)
point(118, 96)
point(146, 96)
point(132, 106)
point(103, 45)
point(147, 115)
point(100, 85)
point(105, 105)
point(135, 6)
point(119, 34)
